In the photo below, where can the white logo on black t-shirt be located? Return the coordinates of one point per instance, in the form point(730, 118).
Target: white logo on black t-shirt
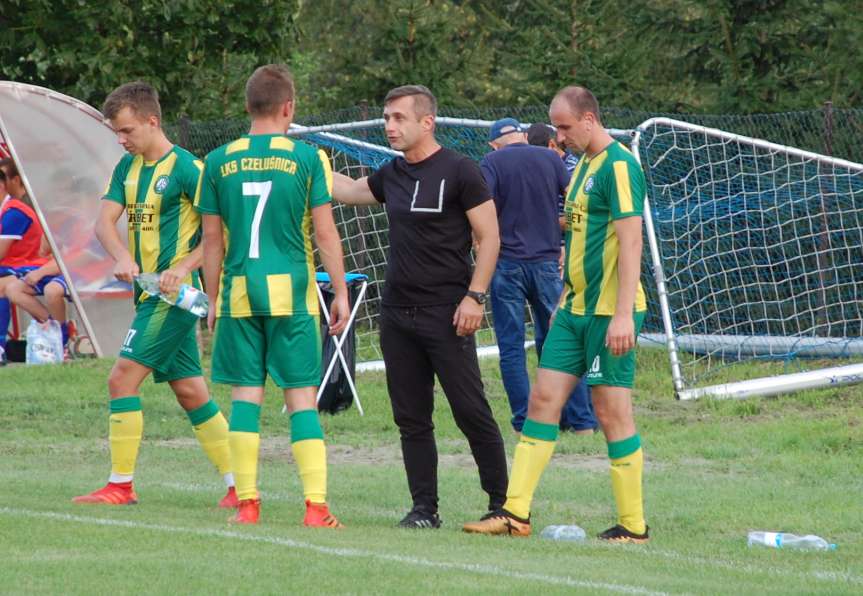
point(438, 209)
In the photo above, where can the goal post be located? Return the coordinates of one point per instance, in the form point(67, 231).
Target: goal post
point(757, 254)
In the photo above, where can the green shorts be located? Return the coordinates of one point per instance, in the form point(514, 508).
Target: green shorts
point(162, 337)
point(575, 344)
point(246, 349)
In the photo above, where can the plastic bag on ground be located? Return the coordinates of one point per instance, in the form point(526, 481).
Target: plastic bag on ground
point(44, 342)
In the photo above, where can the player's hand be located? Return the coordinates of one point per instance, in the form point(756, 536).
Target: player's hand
point(170, 279)
point(467, 317)
point(340, 310)
point(32, 278)
point(620, 337)
point(211, 317)
point(126, 269)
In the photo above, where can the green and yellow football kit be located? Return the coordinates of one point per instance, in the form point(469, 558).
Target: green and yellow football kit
point(604, 188)
point(264, 187)
point(163, 229)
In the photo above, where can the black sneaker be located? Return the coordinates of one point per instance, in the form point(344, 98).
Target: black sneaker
point(620, 534)
point(418, 519)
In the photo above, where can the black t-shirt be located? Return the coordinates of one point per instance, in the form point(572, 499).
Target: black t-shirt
point(430, 235)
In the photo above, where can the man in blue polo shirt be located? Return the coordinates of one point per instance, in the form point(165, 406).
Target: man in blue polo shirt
point(526, 182)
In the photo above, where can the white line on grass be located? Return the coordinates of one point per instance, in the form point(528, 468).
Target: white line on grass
point(339, 552)
point(727, 564)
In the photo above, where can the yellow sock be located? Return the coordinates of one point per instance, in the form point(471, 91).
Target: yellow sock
point(311, 458)
point(627, 464)
point(532, 455)
point(211, 429)
point(310, 453)
point(245, 441)
point(126, 426)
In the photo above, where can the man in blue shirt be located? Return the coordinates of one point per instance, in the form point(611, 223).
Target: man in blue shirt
point(526, 182)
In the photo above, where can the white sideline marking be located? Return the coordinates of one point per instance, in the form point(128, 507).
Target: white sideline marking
point(826, 576)
point(339, 552)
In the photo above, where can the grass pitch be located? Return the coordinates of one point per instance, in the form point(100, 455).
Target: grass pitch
point(715, 469)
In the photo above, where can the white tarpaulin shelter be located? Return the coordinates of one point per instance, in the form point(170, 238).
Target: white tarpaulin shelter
point(66, 154)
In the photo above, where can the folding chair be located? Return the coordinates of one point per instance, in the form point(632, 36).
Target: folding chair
point(338, 355)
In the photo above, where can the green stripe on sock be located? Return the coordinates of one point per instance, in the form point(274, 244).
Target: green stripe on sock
point(245, 417)
point(539, 430)
point(200, 415)
point(125, 404)
point(305, 425)
point(618, 449)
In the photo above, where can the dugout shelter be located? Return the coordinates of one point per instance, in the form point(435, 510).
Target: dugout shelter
point(65, 154)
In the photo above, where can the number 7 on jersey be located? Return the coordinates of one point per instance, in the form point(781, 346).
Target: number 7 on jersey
point(262, 191)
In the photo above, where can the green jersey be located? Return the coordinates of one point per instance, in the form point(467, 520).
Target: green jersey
point(158, 196)
point(605, 187)
point(264, 188)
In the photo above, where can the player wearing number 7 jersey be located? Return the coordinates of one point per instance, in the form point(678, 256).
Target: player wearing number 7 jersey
point(261, 196)
point(154, 185)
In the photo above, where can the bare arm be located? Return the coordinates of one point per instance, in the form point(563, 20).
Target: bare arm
point(352, 192)
point(213, 252)
point(330, 249)
point(483, 223)
point(5, 245)
point(621, 329)
point(106, 232)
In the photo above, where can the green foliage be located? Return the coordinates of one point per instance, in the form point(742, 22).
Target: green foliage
point(198, 54)
point(741, 56)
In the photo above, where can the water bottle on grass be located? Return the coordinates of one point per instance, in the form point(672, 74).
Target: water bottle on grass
point(784, 540)
point(564, 533)
point(187, 297)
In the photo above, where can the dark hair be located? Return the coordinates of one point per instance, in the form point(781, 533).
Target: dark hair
point(424, 100)
point(141, 97)
point(540, 134)
point(8, 164)
point(269, 87)
point(2, 176)
point(581, 101)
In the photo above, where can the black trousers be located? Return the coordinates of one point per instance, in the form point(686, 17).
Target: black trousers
point(417, 344)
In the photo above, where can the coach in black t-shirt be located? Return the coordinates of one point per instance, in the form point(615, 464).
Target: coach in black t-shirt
point(432, 303)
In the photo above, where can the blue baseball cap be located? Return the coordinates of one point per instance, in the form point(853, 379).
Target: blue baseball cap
point(504, 126)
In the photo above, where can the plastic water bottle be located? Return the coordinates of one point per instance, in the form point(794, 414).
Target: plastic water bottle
point(566, 533)
point(187, 297)
point(783, 540)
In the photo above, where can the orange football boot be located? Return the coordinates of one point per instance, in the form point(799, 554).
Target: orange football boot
point(113, 493)
point(230, 500)
point(318, 516)
point(248, 512)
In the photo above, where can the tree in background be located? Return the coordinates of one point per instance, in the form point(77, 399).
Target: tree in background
point(702, 56)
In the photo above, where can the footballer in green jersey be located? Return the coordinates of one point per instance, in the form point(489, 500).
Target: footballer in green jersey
point(595, 326)
point(154, 186)
point(261, 197)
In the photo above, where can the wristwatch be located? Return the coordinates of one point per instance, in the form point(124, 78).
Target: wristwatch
point(480, 297)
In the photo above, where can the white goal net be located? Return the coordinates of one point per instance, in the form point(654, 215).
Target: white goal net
point(757, 251)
